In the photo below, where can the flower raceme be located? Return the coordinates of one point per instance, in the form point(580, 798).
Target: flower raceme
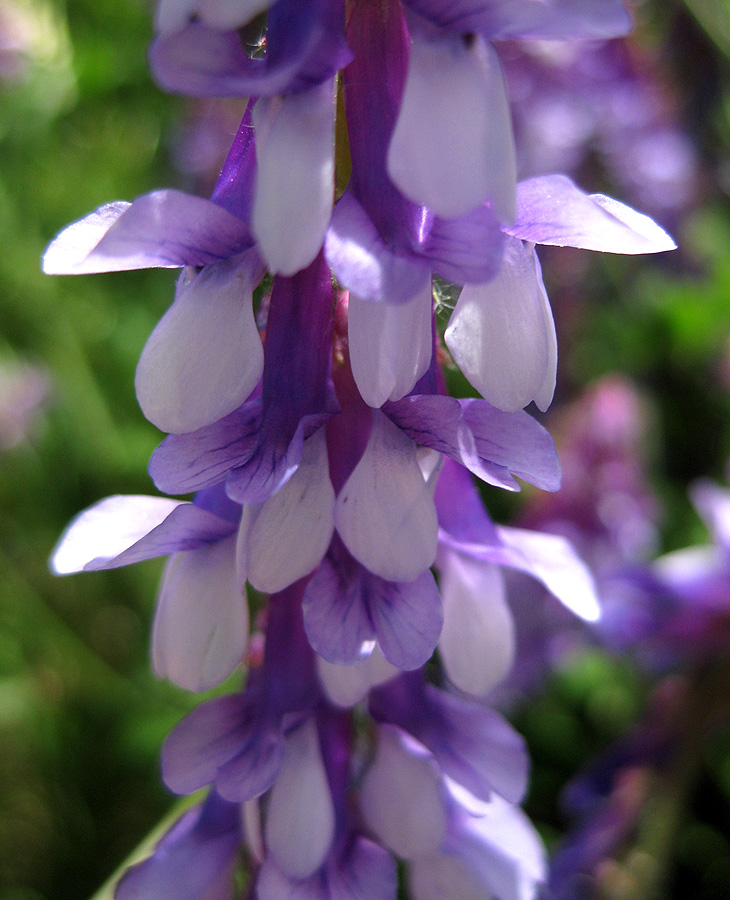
point(330, 469)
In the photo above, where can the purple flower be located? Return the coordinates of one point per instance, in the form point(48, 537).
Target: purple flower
point(259, 446)
point(237, 742)
point(477, 644)
point(195, 860)
point(204, 358)
point(452, 842)
point(200, 631)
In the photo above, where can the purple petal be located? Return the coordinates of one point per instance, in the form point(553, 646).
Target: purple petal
point(373, 86)
point(193, 861)
point(225, 742)
point(460, 509)
point(552, 210)
point(234, 188)
point(490, 443)
point(254, 769)
point(297, 393)
point(304, 46)
point(336, 615)
point(474, 745)
point(164, 229)
point(364, 870)
point(506, 19)
point(272, 463)
point(188, 462)
point(467, 250)
point(123, 530)
point(363, 263)
point(407, 618)
point(515, 441)
point(205, 740)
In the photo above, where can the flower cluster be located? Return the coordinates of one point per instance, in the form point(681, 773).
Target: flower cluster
point(307, 413)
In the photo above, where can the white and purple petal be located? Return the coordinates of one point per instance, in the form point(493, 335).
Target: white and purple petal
point(122, 530)
point(164, 229)
point(345, 686)
point(475, 746)
point(365, 264)
point(712, 502)
point(363, 870)
point(174, 15)
point(552, 210)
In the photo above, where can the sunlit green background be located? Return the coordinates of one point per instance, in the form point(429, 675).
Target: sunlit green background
point(81, 716)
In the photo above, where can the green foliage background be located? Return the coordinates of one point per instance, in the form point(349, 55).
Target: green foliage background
point(81, 716)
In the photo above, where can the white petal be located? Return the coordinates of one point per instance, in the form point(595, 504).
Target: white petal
point(477, 644)
point(205, 356)
point(301, 818)
point(295, 177)
point(201, 623)
point(452, 147)
point(385, 513)
point(293, 529)
point(401, 796)
point(107, 529)
point(440, 875)
point(390, 345)
point(502, 334)
point(347, 685)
